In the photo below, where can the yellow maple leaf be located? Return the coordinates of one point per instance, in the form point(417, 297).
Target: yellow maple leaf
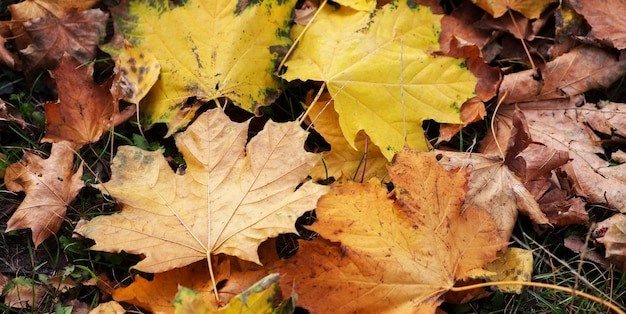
point(232, 197)
point(529, 8)
point(259, 298)
point(361, 60)
point(343, 160)
point(395, 255)
point(208, 49)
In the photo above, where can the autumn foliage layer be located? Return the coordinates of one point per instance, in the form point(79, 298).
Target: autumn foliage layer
point(402, 217)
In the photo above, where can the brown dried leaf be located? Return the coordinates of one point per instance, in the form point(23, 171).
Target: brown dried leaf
point(76, 33)
point(564, 127)
point(534, 163)
point(50, 186)
point(606, 19)
point(84, 110)
point(570, 74)
point(494, 188)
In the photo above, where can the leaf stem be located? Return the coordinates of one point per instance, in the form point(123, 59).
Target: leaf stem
point(295, 42)
point(573, 291)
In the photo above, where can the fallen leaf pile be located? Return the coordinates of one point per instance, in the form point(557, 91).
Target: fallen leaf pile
point(406, 217)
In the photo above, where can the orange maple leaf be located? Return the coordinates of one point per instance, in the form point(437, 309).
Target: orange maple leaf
point(50, 186)
point(396, 254)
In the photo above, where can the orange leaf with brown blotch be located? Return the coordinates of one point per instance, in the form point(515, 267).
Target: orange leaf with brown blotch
point(50, 186)
point(396, 254)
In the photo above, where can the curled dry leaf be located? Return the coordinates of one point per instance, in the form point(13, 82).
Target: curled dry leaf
point(231, 198)
point(391, 253)
point(583, 69)
point(565, 127)
point(535, 163)
point(50, 186)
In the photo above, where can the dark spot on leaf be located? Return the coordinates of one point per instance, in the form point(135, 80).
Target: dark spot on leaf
point(242, 5)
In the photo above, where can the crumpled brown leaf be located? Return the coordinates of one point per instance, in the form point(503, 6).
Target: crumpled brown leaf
point(570, 74)
point(50, 186)
point(567, 127)
point(534, 163)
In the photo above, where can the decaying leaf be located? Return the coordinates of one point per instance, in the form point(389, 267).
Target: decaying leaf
point(536, 164)
point(33, 9)
point(50, 186)
point(378, 66)
point(514, 265)
point(583, 69)
point(75, 33)
point(23, 293)
point(606, 20)
point(232, 197)
point(136, 71)
point(343, 160)
point(571, 128)
point(208, 50)
point(84, 110)
point(391, 254)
